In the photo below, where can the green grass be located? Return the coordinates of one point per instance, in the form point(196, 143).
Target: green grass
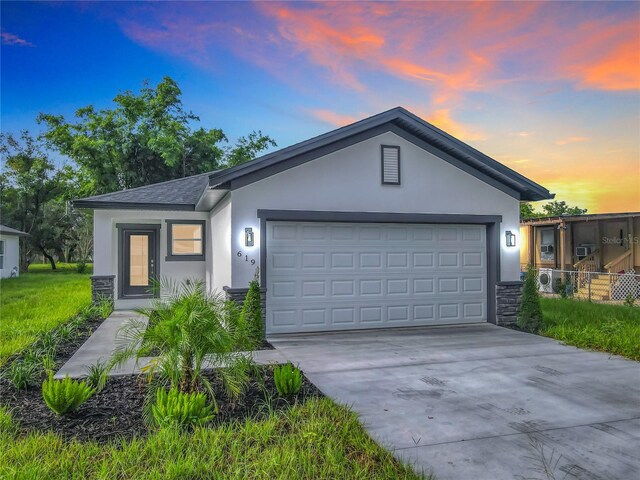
point(37, 302)
point(608, 328)
point(315, 440)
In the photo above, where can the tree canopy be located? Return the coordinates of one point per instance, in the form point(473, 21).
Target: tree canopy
point(551, 209)
point(145, 138)
point(33, 194)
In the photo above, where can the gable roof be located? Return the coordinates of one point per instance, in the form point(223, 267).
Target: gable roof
point(401, 122)
point(179, 194)
point(184, 193)
point(12, 231)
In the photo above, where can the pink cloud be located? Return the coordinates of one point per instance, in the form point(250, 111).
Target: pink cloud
point(12, 39)
point(332, 118)
point(445, 49)
point(575, 139)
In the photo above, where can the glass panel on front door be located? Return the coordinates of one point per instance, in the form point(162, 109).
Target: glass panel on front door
point(139, 260)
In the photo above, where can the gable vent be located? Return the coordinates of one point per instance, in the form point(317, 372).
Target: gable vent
point(390, 165)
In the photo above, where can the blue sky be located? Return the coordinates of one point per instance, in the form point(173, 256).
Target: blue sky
point(549, 89)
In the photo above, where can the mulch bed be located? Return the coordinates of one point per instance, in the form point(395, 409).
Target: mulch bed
point(117, 411)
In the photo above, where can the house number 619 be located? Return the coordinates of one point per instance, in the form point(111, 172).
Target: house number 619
point(246, 258)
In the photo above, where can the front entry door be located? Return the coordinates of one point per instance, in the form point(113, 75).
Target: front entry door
point(139, 261)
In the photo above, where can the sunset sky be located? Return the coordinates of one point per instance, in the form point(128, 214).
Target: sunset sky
point(550, 89)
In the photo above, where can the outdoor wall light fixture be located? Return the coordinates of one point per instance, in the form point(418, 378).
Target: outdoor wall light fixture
point(248, 237)
point(511, 238)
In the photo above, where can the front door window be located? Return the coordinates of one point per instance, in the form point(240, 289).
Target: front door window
point(139, 260)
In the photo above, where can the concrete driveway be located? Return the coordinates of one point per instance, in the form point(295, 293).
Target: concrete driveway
point(483, 402)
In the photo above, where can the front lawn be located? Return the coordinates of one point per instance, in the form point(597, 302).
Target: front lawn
point(609, 328)
point(314, 440)
point(37, 302)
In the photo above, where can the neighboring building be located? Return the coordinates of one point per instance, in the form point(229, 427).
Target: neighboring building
point(606, 242)
point(385, 222)
point(10, 251)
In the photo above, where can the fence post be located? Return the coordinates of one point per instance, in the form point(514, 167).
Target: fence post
point(589, 280)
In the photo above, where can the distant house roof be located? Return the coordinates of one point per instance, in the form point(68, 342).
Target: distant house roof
point(12, 231)
point(578, 218)
point(184, 193)
point(179, 194)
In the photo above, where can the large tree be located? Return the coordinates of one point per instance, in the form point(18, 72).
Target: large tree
point(32, 194)
point(145, 138)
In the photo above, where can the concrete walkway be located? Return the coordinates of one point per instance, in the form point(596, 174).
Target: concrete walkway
point(482, 402)
point(100, 346)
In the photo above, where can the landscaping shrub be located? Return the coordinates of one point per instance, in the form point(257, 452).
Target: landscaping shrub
point(251, 315)
point(177, 409)
point(188, 326)
point(82, 267)
point(97, 375)
point(288, 379)
point(530, 316)
point(630, 300)
point(63, 396)
point(23, 373)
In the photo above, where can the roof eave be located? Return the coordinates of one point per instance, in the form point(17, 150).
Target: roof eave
point(132, 206)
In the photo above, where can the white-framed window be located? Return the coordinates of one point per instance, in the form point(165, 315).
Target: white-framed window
point(2, 250)
point(185, 240)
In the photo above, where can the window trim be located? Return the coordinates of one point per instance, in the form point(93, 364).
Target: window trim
point(172, 257)
point(382, 147)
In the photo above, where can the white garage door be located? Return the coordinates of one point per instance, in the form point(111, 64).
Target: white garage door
point(341, 276)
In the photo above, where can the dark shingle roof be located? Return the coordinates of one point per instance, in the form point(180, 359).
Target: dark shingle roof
point(184, 193)
point(179, 194)
point(12, 231)
point(401, 122)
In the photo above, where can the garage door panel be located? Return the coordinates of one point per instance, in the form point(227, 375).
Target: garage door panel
point(346, 276)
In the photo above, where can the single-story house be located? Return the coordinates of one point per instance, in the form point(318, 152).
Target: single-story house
point(385, 222)
point(10, 251)
point(601, 242)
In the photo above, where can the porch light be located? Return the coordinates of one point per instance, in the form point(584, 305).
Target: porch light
point(248, 237)
point(511, 238)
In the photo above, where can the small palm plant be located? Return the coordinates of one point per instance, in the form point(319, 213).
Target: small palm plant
point(186, 327)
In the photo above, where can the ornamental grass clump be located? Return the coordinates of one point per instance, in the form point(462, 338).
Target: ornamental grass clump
point(174, 408)
point(97, 375)
point(23, 373)
point(65, 396)
point(288, 379)
point(530, 316)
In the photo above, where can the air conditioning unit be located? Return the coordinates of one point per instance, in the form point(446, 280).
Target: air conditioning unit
point(547, 278)
point(546, 248)
point(584, 250)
